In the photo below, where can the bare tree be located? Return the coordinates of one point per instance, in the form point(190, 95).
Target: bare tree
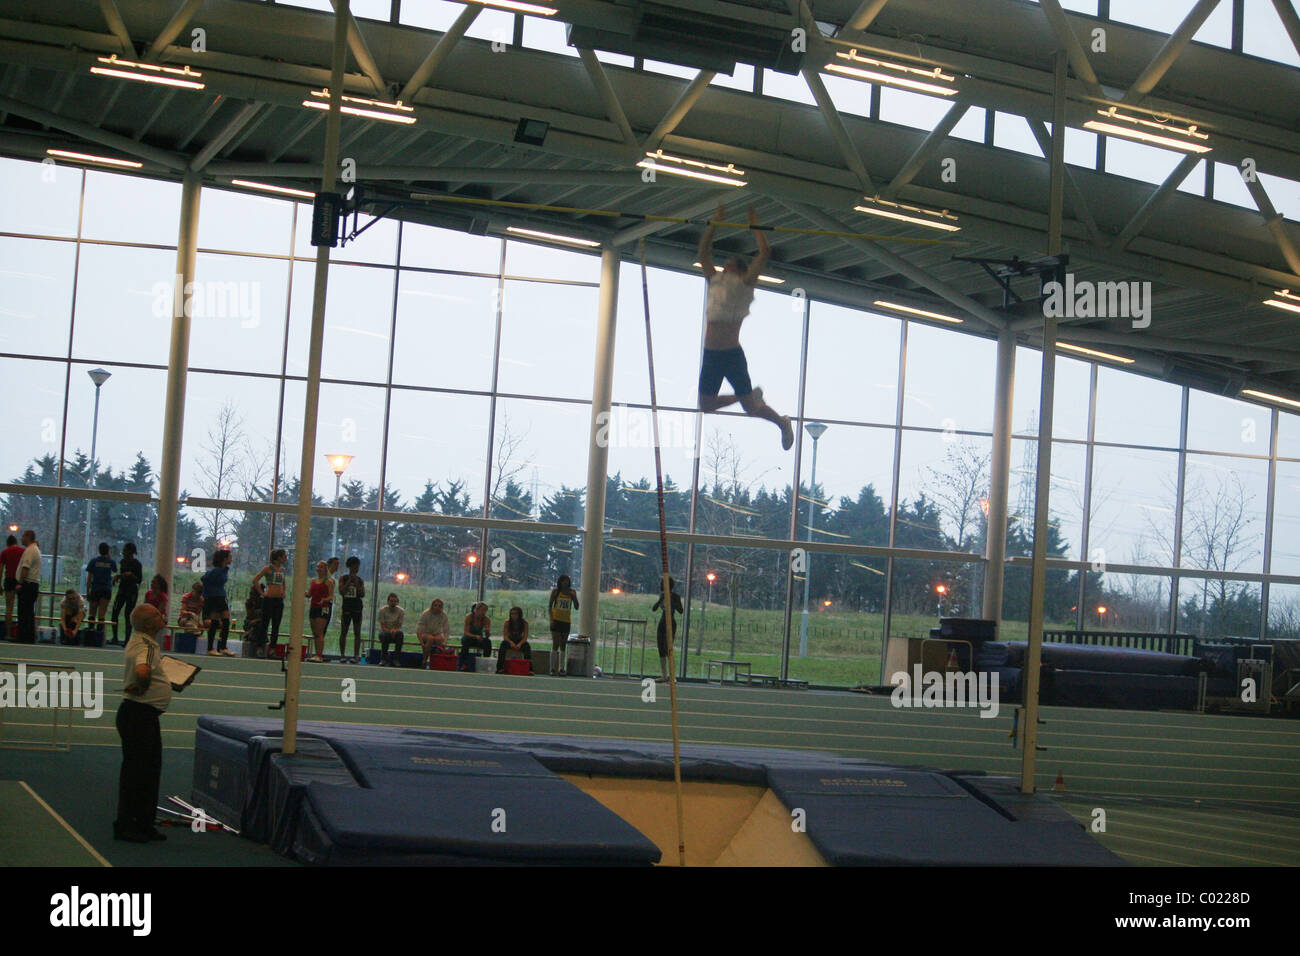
point(508, 461)
point(1218, 531)
point(957, 487)
point(225, 469)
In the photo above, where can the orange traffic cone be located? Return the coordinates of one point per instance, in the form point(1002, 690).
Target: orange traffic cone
point(1060, 783)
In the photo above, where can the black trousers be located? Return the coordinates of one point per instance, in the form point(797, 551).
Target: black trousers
point(137, 786)
point(28, 592)
point(126, 599)
point(390, 637)
point(272, 613)
point(469, 642)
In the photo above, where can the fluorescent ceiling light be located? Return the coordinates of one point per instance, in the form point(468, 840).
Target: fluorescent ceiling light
point(1149, 131)
point(552, 237)
point(1093, 353)
point(537, 9)
point(930, 218)
point(922, 312)
point(1268, 397)
point(933, 81)
point(727, 175)
point(1284, 299)
point(88, 158)
point(183, 77)
point(283, 190)
point(762, 278)
point(367, 109)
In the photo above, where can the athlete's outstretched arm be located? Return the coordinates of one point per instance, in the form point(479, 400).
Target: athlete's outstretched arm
point(764, 250)
point(704, 255)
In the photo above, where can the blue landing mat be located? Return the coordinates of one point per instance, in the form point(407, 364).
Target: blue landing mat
point(360, 795)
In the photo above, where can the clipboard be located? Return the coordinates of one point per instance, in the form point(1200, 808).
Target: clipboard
point(180, 674)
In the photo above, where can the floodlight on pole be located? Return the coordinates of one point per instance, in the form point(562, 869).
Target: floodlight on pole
point(339, 464)
point(816, 430)
point(99, 376)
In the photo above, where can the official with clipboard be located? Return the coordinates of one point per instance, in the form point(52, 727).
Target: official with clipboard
point(145, 698)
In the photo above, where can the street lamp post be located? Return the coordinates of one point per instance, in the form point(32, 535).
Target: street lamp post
point(941, 590)
point(339, 463)
point(99, 376)
point(816, 430)
point(704, 614)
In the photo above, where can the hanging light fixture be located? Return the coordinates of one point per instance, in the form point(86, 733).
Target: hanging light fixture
point(918, 79)
point(940, 219)
point(660, 161)
point(1186, 138)
point(365, 108)
point(182, 77)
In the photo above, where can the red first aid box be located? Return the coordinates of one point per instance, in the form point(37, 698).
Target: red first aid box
point(519, 666)
point(443, 662)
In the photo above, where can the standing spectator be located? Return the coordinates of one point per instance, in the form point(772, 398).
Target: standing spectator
point(157, 595)
point(191, 616)
point(353, 590)
point(129, 577)
point(433, 629)
point(514, 639)
point(391, 616)
point(29, 587)
point(477, 635)
point(216, 610)
point(560, 608)
point(320, 591)
point(144, 698)
point(663, 624)
point(100, 571)
point(332, 568)
point(71, 613)
point(9, 558)
point(273, 594)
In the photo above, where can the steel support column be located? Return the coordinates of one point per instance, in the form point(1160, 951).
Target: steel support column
point(598, 451)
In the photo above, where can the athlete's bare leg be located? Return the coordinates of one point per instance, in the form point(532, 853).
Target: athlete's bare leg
point(711, 403)
point(754, 406)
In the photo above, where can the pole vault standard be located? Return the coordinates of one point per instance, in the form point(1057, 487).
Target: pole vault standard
point(646, 217)
point(1047, 391)
point(306, 472)
point(663, 551)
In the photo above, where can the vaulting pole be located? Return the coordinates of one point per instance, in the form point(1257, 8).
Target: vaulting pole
point(666, 589)
point(306, 469)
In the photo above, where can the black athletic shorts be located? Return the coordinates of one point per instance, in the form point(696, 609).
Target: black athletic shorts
point(724, 363)
point(560, 630)
point(214, 605)
point(315, 613)
point(11, 584)
point(100, 595)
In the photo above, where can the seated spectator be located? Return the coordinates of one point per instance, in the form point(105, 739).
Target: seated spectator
point(433, 630)
point(73, 612)
point(157, 594)
point(254, 626)
point(391, 616)
point(191, 616)
point(476, 636)
point(514, 640)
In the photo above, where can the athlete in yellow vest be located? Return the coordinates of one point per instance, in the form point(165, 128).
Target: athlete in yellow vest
point(560, 608)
